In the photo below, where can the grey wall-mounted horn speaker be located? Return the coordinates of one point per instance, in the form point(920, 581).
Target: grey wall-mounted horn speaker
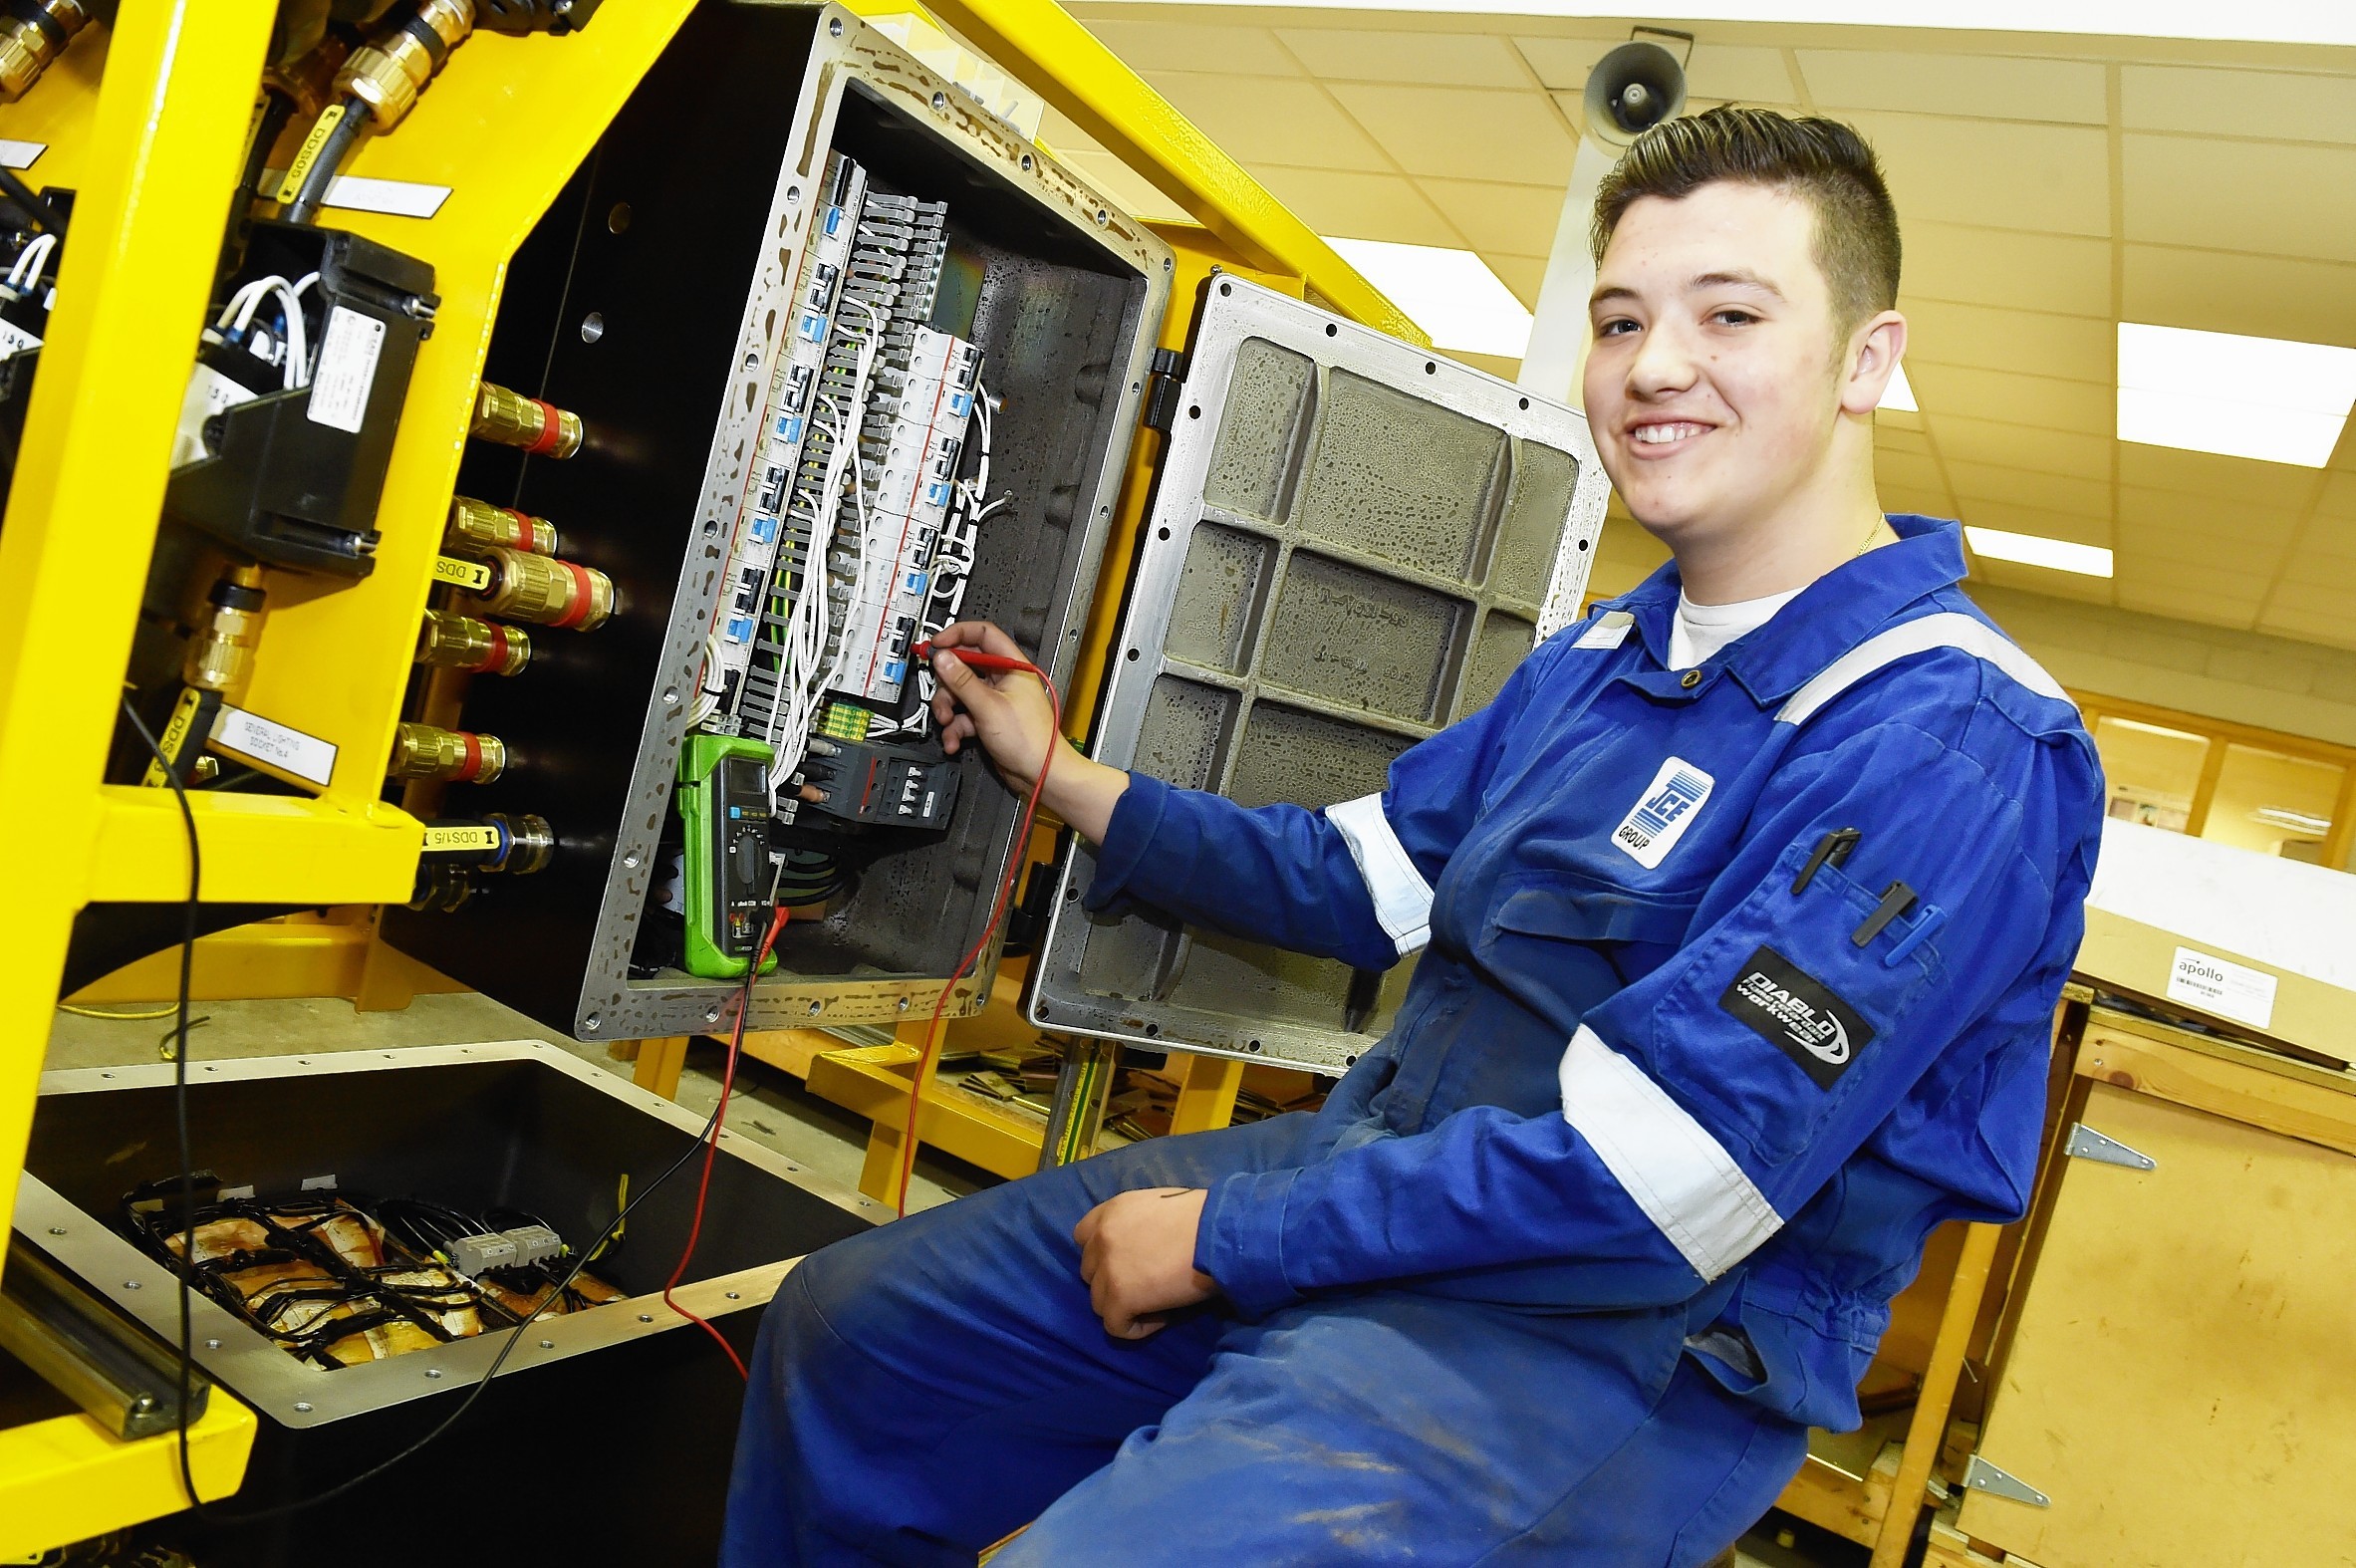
point(1631, 89)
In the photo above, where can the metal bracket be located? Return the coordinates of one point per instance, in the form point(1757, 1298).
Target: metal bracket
point(2087, 1144)
point(1980, 1475)
point(1166, 387)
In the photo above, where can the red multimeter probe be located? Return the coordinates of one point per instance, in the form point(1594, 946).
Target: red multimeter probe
point(978, 659)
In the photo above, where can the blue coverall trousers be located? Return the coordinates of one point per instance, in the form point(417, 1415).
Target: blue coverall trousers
point(920, 1391)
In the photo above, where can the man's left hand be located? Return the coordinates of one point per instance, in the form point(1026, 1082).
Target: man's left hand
point(1137, 1256)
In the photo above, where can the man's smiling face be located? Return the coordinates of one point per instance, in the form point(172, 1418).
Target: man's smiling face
point(1715, 385)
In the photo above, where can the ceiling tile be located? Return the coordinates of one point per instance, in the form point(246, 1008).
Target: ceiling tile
point(2205, 548)
point(2020, 487)
point(2019, 399)
point(1259, 119)
point(2273, 104)
point(2243, 481)
point(1904, 471)
point(1522, 274)
point(1740, 74)
point(1359, 206)
point(2018, 271)
point(2029, 446)
point(1890, 436)
point(1565, 63)
point(1937, 81)
point(1996, 174)
point(2189, 604)
point(2039, 580)
point(1427, 59)
point(2227, 291)
point(2229, 523)
point(2075, 348)
point(2307, 595)
point(2338, 498)
point(1151, 47)
point(1519, 219)
point(1464, 133)
point(2331, 630)
point(2081, 528)
point(2318, 558)
point(2277, 200)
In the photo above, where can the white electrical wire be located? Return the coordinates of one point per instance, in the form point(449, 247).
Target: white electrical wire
point(807, 626)
point(238, 315)
point(32, 261)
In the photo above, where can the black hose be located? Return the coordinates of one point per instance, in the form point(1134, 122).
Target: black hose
point(39, 214)
point(276, 112)
point(331, 152)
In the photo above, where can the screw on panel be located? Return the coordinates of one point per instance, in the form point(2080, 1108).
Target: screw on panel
point(735, 1296)
point(941, 101)
point(645, 1317)
point(303, 1406)
point(57, 1231)
point(548, 1344)
point(212, 1344)
point(834, 26)
point(589, 1024)
point(593, 326)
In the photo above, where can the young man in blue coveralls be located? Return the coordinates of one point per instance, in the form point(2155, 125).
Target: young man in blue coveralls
point(1741, 913)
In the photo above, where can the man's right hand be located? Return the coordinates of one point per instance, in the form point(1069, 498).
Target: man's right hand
point(1008, 712)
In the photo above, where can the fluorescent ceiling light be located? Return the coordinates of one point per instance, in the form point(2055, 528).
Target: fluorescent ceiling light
point(1998, 544)
point(2215, 392)
point(2295, 821)
point(1450, 294)
point(2281, 22)
point(1900, 393)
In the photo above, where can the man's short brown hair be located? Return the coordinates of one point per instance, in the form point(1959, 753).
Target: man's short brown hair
point(1822, 160)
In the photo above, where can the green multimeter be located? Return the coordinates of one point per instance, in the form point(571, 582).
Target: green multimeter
point(723, 797)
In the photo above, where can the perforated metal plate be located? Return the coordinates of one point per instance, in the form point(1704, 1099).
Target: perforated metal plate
point(1353, 544)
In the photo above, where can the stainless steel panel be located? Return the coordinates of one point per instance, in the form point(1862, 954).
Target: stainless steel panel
point(1353, 542)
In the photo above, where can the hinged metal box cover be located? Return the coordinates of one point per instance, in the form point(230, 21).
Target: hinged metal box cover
point(1352, 544)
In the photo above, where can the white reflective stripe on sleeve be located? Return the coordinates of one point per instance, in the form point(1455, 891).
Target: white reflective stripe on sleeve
point(1403, 899)
point(1949, 628)
point(1682, 1178)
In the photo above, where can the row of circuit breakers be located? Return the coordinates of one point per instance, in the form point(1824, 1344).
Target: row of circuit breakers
point(811, 738)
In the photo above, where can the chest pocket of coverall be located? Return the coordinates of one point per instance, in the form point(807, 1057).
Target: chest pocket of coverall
point(1687, 1039)
point(1576, 938)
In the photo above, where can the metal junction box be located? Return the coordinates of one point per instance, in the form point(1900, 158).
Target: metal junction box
point(656, 300)
point(1352, 544)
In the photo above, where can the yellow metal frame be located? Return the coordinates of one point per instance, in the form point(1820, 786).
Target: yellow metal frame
point(146, 121)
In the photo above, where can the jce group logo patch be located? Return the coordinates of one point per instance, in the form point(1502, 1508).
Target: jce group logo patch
point(1663, 812)
point(1799, 1015)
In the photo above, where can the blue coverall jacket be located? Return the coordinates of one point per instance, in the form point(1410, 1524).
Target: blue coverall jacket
point(1639, 1059)
point(1734, 982)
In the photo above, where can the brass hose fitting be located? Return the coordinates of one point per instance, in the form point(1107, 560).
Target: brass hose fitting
point(30, 41)
point(475, 522)
point(420, 751)
point(221, 654)
point(483, 647)
point(545, 591)
point(512, 419)
point(389, 72)
point(441, 887)
point(530, 843)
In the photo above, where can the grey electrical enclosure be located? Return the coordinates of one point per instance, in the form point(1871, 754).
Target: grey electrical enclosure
point(1351, 545)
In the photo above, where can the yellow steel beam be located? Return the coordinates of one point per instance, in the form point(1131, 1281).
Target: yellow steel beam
point(164, 147)
point(1046, 49)
point(67, 1478)
point(365, 853)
